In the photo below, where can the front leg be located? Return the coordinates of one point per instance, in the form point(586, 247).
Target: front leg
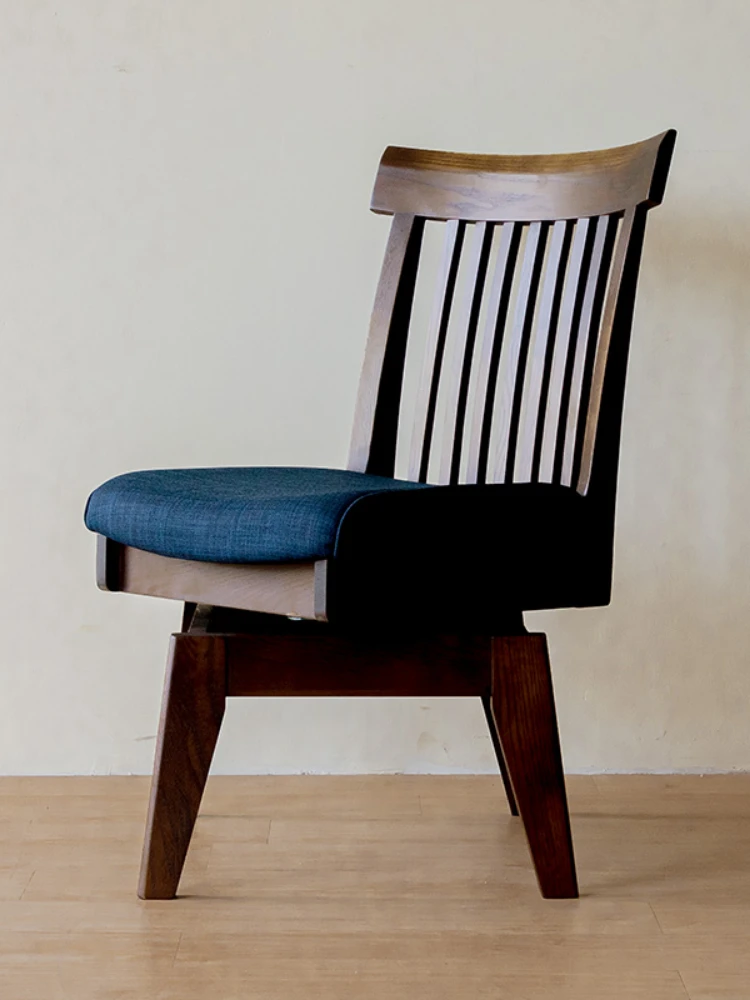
point(191, 716)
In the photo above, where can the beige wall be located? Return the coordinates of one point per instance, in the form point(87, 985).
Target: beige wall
point(187, 265)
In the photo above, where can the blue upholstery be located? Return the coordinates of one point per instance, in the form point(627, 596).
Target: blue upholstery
point(232, 515)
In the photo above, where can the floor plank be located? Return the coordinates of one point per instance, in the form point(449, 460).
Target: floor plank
point(376, 887)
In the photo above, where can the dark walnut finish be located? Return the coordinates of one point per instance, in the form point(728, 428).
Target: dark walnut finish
point(518, 408)
point(359, 664)
point(523, 707)
point(511, 676)
point(192, 712)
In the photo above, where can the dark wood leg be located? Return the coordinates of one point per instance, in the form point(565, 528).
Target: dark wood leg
point(524, 709)
point(192, 711)
point(492, 725)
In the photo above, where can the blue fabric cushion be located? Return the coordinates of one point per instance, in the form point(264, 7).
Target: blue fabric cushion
point(233, 515)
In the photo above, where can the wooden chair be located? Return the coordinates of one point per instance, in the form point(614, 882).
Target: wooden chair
point(321, 582)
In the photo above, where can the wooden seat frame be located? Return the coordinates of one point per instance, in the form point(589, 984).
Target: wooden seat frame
point(260, 630)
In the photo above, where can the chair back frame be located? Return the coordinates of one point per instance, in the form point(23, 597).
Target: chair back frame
point(551, 249)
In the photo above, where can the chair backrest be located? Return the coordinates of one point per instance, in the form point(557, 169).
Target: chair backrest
point(524, 351)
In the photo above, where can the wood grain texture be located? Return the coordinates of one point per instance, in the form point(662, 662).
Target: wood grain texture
point(551, 417)
point(475, 187)
point(490, 350)
point(388, 326)
point(503, 446)
point(377, 886)
point(434, 353)
point(602, 351)
point(273, 588)
point(455, 384)
point(540, 345)
point(192, 712)
point(563, 349)
point(373, 664)
point(540, 264)
point(535, 422)
point(524, 710)
point(522, 402)
point(578, 350)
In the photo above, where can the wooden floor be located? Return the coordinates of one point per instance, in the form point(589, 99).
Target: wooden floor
point(413, 887)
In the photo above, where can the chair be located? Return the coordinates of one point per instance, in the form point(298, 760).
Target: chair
point(353, 582)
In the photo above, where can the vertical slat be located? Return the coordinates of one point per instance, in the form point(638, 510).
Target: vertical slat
point(538, 354)
point(471, 333)
point(403, 229)
point(602, 284)
point(575, 333)
point(462, 340)
point(570, 418)
point(523, 351)
point(509, 361)
point(602, 350)
point(541, 411)
point(492, 341)
point(559, 357)
point(424, 419)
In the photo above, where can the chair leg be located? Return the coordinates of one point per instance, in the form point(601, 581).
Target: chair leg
point(192, 711)
point(523, 705)
point(487, 705)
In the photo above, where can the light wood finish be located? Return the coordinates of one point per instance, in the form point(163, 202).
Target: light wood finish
point(377, 373)
point(598, 273)
point(539, 372)
point(376, 887)
point(542, 426)
point(271, 588)
point(578, 344)
point(489, 350)
point(456, 379)
point(484, 188)
point(433, 358)
point(506, 392)
point(541, 336)
point(602, 349)
point(565, 335)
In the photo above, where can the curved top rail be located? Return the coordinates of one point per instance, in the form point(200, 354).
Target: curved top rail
point(477, 187)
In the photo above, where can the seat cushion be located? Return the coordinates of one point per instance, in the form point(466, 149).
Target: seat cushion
point(232, 515)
